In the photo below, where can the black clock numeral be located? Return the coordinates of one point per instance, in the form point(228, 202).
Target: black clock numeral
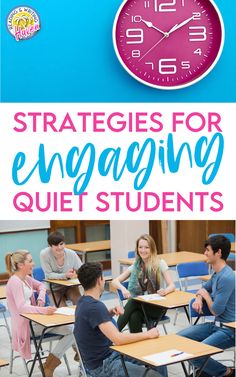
point(134, 36)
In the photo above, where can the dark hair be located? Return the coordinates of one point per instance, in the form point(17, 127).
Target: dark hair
point(88, 274)
point(55, 238)
point(219, 242)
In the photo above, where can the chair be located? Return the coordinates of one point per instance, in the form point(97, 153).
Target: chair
point(187, 271)
point(38, 274)
point(131, 254)
point(48, 337)
point(82, 372)
point(3, 310)
point(165, 319)
point(205, 313)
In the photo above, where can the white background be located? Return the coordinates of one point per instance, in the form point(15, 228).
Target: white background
point(184, 181)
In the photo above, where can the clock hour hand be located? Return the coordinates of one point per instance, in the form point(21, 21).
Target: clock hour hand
point(177, 26)
point(150, 25)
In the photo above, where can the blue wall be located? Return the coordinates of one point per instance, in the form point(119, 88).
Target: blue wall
point(72, 59)
point(33, 241)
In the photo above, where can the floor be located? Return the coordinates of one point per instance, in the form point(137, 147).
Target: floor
point(110, 300)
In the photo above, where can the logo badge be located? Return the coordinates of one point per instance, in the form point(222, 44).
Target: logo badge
point(23, 23)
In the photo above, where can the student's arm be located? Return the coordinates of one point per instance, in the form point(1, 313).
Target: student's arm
point(169, 282)
point(117, 283)
point(16, 294)
point(225, 287)
point(120, 338)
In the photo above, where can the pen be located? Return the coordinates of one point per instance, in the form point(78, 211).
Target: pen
point(177, 354)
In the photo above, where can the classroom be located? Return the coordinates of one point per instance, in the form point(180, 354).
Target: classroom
point(179, 245)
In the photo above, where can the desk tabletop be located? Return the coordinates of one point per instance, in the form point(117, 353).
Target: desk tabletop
point(52, 320)
point(87, 247)
point(232, 325)
point(64, 283)
point(175, 299)
point(2, 292)
point(165, 343)
point(3, 363)
point(233, 244)
point(172, 259)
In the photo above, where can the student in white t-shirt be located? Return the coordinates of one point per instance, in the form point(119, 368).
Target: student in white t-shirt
point(149, 274)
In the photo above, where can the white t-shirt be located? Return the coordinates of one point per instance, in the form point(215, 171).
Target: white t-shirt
point(163, 267)
point(28, 291)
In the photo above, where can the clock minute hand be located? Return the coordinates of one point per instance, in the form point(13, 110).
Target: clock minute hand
point(150, 25)
point(177, 26)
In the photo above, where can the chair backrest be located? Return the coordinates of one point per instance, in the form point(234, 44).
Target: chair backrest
point(193, 314)
point(82, 368)
point(38, 273)
point(131, 254)
point(230, 236)
point(191, 269)
point(120, 294)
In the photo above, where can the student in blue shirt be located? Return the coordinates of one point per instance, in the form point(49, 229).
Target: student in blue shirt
point(219, 295)
point(95, 332)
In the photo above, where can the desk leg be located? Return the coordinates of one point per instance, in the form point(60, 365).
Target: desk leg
point(124, 366)
point(187, 313)
point(37, 350)
point(198, 374)
point(57, 304)
point(145, 317)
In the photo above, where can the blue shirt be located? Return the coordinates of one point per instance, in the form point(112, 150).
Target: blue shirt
point(221, 287)
point(94, 346)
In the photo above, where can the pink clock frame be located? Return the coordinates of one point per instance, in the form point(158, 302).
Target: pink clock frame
point(168, 44)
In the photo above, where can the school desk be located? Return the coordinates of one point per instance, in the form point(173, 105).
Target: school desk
point(65, 284)
point(189, 349)
point(172, 259)
point(174, 300)
point(48, 322)
point(82, 249)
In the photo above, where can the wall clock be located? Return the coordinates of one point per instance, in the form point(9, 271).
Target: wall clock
point(168, 44)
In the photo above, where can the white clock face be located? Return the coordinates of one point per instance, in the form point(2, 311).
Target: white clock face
point(168, 44)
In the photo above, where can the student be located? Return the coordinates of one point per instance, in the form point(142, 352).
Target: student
point(219, 295)
point(20, 290)
point(60, 263)
point(148, 274)
point(95, 332)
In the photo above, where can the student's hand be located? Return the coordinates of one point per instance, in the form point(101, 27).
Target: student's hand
point(203, 292)
point(162, 292)
point(125, 292)
point(50, 310)
point(153, 333)
point(197, 306)
point(40, 303)
point(71, 274)
point(117, 310)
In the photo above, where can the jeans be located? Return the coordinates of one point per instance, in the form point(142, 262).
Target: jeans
point(112, 366)
point(208, 333)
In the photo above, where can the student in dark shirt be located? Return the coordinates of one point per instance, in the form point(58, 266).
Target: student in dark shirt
point(95, 332)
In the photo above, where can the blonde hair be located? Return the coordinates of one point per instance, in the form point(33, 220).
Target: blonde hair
point(154, 262)
point(13, 259)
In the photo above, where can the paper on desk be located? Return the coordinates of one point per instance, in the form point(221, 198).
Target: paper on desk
point(74, 281)
point(154, 296)
point(65, 310)
point(167, 357)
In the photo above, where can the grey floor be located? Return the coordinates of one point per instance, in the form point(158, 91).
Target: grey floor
point(110, 300)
